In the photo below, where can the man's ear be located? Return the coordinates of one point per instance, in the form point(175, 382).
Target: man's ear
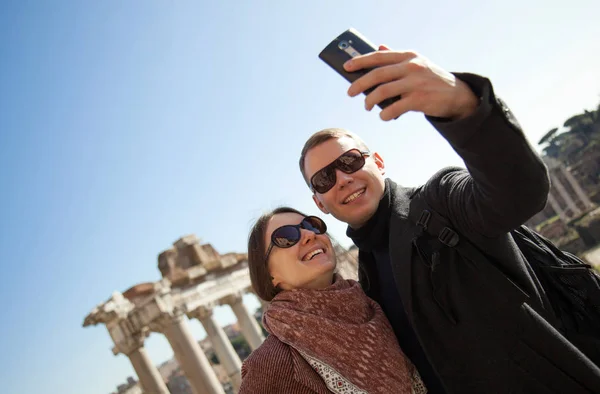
point(320, 204)
point(379, 162)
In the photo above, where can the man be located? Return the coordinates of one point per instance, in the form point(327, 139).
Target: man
point(467, 327)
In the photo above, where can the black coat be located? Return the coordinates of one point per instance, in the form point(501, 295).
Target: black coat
point(498, 337)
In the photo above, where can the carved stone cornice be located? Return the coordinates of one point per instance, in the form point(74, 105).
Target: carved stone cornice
point(115, 308)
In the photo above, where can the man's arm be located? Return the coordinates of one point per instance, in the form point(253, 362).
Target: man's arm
point(506, 182)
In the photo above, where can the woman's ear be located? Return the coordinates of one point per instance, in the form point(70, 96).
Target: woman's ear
point(274, 282)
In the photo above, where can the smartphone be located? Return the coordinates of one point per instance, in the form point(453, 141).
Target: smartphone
point(344, 47)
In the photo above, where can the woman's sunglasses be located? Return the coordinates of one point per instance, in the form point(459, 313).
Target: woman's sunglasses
point(289, 235)
point(324, 179)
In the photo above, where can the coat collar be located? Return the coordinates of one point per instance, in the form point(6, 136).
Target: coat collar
point(400, 255)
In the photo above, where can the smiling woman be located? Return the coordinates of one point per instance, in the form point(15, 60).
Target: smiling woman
point(300, 254)
point(273, 252)
point(326, 335)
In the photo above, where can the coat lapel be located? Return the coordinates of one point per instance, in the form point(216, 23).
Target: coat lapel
point(400, 254)
point(368, 276)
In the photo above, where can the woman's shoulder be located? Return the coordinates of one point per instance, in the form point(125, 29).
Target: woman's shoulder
point(269, 370)
point(272, 354)
point(275, 368)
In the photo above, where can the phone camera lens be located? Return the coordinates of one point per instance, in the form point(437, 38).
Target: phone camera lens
point(343, 44)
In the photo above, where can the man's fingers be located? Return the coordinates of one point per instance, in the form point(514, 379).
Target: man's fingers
point(398, 108)
point(387, 90)
point(378, 59)
point(375, 77)
point(384, 74)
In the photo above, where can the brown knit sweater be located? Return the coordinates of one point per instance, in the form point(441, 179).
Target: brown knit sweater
point(276, 368)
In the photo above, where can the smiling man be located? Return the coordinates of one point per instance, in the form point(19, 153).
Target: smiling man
point(468, 326)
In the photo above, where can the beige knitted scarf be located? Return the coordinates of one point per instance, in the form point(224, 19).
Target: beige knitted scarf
point(345, 337)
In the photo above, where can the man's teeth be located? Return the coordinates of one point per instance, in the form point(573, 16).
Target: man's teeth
point(354, 196)
point(313, 254)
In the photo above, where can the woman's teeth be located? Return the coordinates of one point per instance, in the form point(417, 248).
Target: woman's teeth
point(313, 254)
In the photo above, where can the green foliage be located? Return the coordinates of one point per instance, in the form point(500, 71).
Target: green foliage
point(241, 346)
point(579, 135)
point(547, 222)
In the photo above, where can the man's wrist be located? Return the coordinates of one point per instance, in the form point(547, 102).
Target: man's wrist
point(458, 132)
point(467, 103)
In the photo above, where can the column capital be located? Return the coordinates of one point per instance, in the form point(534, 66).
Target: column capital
point(130, 343)
point(201, 313)
point(231, 299)
point(165, 320)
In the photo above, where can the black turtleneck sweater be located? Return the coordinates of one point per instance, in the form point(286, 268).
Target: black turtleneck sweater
point(373, 238)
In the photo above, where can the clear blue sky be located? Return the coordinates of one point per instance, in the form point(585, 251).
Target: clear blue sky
point(126, 124)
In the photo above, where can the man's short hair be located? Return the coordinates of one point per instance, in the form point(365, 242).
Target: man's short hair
point(325, 135)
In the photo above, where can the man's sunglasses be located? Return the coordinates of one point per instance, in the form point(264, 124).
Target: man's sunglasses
point(324, 179)
point(289, 235)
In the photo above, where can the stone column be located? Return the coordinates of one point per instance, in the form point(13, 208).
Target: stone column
point(225, 351)
point(148, 374)
point(248, 324)
point(565, 195)
point(150, 378)
point(264, 304)
point(576, 188)
point(556, 207)
point(192, 359)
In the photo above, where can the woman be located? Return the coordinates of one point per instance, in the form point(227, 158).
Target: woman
point(326, 335)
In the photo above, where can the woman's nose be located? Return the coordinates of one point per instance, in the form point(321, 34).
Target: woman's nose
point(306, 236)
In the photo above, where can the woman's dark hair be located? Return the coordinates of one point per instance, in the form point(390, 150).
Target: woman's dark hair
point(257, 249)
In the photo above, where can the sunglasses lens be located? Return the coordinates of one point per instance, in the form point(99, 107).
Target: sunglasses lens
point(314, 224)
point(349, 162)
point(286, 236)
point(324, 180)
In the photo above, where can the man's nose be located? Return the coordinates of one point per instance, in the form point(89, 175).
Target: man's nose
point(343, 179)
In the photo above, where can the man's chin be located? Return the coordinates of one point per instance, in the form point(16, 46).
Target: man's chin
point(357, 217)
